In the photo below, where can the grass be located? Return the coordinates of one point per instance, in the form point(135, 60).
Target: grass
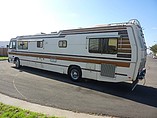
point(7, 111)
point(3, 58)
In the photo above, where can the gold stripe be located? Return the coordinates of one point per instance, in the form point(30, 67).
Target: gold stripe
point(121, 64)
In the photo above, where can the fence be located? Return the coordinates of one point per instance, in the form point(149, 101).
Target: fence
point(3, 51)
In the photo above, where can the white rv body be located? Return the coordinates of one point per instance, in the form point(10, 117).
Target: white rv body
point(113, 53)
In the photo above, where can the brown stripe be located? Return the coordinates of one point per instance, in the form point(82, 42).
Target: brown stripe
point(124, 46)
point(85, 32)
point(94, 29)
point(123, 32)
point(122, 64)
point(124, 55)
point(123, 41)
point(124, 51)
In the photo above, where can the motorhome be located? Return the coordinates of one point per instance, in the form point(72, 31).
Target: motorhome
point(113, 52)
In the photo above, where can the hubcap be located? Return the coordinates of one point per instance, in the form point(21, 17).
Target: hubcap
point(74, 74)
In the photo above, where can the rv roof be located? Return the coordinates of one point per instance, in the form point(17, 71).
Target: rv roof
point(132, 21)
point(80, 30)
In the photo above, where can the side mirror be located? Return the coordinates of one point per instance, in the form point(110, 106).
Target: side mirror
point(7, 46)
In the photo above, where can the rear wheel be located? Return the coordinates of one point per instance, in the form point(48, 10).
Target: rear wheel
point(17, 63)
point(75, 73)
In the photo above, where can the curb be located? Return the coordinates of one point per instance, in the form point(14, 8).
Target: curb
point(44, 109)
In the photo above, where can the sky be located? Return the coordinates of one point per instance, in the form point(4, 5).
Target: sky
point(28, 17)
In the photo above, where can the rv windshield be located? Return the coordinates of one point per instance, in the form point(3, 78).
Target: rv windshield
point(12, 45)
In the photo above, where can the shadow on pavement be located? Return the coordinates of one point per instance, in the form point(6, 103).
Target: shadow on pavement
point(142, 94)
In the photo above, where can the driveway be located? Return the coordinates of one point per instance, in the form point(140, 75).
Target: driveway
point(89, 96)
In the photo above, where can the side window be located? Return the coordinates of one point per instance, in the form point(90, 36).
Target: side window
point(94, 46)
point(103, 45)
point(23, 45)
point(112, 46)
point(39, 44)
point(12, 45)
point(20, 45)
point(62, 44)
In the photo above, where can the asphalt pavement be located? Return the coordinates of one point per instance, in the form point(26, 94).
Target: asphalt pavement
point(89, 96)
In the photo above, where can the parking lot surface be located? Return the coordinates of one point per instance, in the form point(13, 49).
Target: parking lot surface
point(89, 96)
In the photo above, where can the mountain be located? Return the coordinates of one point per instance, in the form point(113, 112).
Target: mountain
point(4, 44)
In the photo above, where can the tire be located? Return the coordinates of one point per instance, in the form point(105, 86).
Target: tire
point(75, 73)
point(17, 63)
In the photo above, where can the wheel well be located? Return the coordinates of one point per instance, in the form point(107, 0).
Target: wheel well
point(16, 58)
point(74, 66)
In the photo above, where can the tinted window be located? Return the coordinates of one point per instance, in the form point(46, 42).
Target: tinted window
point(62, 43)
point(103, 45)
point(22, 45)
point(95, 46)
point(39, 44)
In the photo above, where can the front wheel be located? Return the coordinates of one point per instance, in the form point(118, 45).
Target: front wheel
point(75, 73)
point(17, 63)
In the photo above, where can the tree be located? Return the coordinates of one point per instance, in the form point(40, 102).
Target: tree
point(154, 48)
